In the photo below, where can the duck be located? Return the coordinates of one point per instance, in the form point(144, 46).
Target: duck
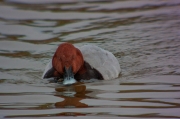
point(73, 64)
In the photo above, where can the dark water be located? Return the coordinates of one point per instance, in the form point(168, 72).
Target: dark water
point(143, 34)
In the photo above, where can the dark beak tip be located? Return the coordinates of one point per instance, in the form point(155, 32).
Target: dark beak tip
point(68, 76)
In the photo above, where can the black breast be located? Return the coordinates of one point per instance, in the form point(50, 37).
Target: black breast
point(91, 73)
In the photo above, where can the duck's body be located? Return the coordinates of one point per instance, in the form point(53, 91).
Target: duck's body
point(87, 62)
point(101, 60)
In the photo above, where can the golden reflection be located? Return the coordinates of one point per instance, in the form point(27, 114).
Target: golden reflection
point(72, 96)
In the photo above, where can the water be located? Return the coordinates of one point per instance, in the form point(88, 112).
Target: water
point(143, 34)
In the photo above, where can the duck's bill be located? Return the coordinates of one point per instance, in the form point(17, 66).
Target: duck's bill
point(68, 76)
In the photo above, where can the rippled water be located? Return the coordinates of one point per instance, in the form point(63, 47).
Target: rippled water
point(143, 34)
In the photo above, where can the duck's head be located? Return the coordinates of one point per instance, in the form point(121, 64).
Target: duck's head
point(67, 61)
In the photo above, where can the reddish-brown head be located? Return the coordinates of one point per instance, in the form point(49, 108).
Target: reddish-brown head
point(67, 56)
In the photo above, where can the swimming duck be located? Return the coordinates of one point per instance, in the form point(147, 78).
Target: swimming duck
point(86, 62)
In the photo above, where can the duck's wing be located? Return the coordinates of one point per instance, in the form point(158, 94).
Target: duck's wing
point(102, 60)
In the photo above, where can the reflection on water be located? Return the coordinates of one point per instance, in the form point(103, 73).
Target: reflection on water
point(146, 97)
point(143, 34)
point(71, 99)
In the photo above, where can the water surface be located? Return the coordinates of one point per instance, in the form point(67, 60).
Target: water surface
point(143, 34)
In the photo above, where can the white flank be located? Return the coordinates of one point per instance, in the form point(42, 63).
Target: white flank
point(48, 67)
point(102, 60)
